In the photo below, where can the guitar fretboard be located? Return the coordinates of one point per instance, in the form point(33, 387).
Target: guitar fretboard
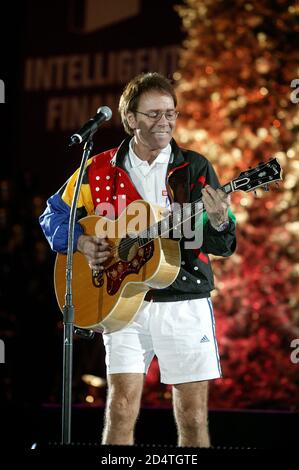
point(248, 180)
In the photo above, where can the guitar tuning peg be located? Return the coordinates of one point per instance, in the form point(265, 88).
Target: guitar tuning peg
point(255, 193)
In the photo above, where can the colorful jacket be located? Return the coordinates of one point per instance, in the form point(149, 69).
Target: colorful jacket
point(105, 180)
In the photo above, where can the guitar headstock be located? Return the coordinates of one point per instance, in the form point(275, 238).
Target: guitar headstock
point(260, 176)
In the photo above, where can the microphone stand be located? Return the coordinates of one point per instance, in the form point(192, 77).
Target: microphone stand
point(68, 308)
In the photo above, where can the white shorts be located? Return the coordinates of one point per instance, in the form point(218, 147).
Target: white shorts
point(181, 335)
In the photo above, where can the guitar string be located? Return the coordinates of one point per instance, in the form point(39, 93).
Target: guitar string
point(128, 243)
point(146, 232)
point(138, 237)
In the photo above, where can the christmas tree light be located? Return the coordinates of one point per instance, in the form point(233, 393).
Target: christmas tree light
point(234, 87)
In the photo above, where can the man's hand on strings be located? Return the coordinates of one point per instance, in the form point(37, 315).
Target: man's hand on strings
point(95, 249)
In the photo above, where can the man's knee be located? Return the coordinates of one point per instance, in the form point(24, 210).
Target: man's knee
point(123, 401)
point(123, 409)
point(191, 420)
point(123, 406)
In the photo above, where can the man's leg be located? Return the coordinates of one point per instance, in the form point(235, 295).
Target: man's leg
point(190, 402)
point(122, 408)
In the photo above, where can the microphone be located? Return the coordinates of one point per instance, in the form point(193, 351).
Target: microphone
point(103, 114)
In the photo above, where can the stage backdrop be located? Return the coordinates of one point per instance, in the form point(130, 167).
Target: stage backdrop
point(78, 55)
point(233, 63)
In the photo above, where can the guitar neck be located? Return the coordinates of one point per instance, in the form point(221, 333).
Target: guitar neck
point(248, 180)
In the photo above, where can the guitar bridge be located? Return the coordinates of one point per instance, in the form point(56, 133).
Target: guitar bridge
point(117, 272)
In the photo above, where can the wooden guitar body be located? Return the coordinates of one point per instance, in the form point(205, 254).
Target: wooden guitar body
point(109, 300)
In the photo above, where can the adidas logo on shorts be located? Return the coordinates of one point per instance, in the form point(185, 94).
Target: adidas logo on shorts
point(204, 339)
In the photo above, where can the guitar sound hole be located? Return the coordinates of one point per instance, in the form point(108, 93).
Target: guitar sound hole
point(127, 248)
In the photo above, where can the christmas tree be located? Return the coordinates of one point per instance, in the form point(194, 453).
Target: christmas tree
point(237, 107)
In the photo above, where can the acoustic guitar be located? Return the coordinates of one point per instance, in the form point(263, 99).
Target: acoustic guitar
point(146, 255)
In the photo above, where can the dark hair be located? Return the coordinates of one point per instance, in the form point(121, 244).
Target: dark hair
point(136, 87)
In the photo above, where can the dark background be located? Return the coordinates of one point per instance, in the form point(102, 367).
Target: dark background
point(55, 29)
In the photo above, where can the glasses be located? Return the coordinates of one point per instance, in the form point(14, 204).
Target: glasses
point(156, 115)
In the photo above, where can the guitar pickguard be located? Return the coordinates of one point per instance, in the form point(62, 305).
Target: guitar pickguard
point(117, 272)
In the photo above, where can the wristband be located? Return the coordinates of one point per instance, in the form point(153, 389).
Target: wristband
point(222, 227)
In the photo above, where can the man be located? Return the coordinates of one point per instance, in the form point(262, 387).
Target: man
point(175, 323)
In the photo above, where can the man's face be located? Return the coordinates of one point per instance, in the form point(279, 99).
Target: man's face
point(153, 133)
